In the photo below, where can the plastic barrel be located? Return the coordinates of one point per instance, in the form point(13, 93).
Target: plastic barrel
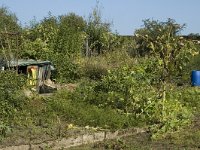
point(195, 78)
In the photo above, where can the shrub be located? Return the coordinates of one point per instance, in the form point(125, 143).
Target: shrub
point(189, 96)
point(11, 98)
point(119, 58)
point(131, 92)
point(97, 67)
point(66, 69)
point(84, 114)
point(173, 117)
point(94, 70)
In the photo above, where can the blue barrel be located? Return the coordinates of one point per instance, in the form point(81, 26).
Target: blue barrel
point(195, 78)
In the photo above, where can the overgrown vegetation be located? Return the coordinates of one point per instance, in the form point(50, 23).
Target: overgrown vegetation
point(11, 99)
point(122, 82)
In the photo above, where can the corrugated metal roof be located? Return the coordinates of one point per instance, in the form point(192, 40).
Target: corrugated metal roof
point(22, 62)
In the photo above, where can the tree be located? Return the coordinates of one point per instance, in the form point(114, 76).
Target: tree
point(194, 36)
point(9, 34)
point(98, 32)
point(71, 36)
point(8, 20)
point(39, 39)
point(162, 41)
point(171, 52)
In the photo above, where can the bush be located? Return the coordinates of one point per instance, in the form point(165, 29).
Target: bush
point(66, 69)
point(131, 92)
point(10, 95)
point(94, 70)
point(84, 114)
point(96, 67)
point(173, 117)
point(119, 58)
point(189, 96)
point(11, 98)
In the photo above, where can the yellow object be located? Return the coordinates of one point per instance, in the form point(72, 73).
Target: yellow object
point(32, 75)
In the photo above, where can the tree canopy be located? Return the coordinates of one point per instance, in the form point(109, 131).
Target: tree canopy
point(8, 20)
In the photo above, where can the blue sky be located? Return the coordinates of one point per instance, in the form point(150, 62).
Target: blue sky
point(126, 15)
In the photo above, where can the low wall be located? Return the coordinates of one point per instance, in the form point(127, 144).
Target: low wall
point(77, 140)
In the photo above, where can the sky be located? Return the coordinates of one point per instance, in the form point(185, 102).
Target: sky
point(126, 15)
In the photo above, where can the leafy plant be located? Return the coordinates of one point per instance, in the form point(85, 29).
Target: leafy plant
point(99, 37)
point(66, 69)
point(83, 114)
point(10, 84)
point(70, 38)
point(8, 20)
point(11, 99)
point(4, 129)
point(94, 70)
point(171, 51)
point(173, 118)
point(162, 42)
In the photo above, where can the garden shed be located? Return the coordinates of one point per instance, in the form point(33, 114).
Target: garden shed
point(38, 72)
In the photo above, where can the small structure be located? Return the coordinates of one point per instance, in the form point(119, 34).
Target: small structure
point(38, 72)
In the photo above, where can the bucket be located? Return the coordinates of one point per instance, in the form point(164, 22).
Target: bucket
point(195, 78)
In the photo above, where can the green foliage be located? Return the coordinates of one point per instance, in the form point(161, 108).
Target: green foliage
point(35, 113)
point(118, 58)
point(10, 84)
point(172, 53)
point(110, 41)
point(99, 36)
point(156, 31)
point(83, 114)
point(57, 40)
point(124, 86)
point(129, 44)
point(4, 129)
point(94, 70)
point(161, 40)
point(34, 49)
point(66, 69)
point(122, 89)
point(132, 92)
point(39, 39)
point(71, 37)
point(47, 30)
point(11, 99)
point(97, 67)
point(193, 36)
point(173, 118)
point(9, 30)
point(54, 35)
point(114, 144)
point(73, 21)
point(194, 63)
point(188, 95)
point(8, 20)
